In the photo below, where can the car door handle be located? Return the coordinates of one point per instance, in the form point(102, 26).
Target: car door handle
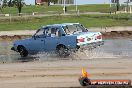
point(42, 40)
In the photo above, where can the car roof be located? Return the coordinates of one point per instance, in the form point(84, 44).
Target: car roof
point(70, 23)
point(59, 25)
point(54, 25)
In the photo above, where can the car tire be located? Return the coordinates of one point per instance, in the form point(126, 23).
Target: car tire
point(63, 52)
point(22, 51)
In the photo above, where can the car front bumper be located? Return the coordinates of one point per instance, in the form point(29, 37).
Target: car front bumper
point(12, 48)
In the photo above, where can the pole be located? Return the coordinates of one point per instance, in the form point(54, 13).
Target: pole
point(130, 6)
point(110, 3)
point(127, 6)
point(10, 17)
point(130, 9)
point(64, 6)
point(110, 6)
point(76, 5)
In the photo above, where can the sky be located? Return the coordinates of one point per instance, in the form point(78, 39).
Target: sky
point(81, 2)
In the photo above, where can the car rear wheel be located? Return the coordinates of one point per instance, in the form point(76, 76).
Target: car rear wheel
point(23, 52)
point(63, 51)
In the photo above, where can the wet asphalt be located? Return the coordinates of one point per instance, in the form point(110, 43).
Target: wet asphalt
point(112, 48)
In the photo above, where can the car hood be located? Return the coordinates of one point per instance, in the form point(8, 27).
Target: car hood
point(23, 41)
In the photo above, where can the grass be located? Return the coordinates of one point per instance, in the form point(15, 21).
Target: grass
point(104, 8)
point(44, 9)
point(34, 23)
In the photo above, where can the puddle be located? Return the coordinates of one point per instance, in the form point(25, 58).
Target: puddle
point(113, 48)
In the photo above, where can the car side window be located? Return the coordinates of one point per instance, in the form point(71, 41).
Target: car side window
point(50, 32)
point(58, 33)
point(53, 32)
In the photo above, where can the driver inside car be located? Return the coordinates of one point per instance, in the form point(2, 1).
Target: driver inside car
point(53, 32)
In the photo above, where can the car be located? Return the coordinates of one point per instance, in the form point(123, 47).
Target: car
point(61, 38)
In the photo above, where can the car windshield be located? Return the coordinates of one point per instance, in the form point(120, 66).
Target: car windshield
point(39, 33)
point(74, 29)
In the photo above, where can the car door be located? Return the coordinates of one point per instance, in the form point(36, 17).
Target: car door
point(37, 43)
point(52, 40)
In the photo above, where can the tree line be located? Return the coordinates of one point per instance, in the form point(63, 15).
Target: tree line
point(17, 3)
point(20, 3)
point(13, 3)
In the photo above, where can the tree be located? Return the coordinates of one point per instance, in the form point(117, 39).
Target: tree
point(10, 3)
point(117, 4)
point(1, 5)
point(5, 3)
point(19, 4)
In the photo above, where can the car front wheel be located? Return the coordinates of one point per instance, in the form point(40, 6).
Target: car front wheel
point(23, 52)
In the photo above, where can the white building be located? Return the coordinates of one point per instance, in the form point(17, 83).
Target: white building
point(66, 1)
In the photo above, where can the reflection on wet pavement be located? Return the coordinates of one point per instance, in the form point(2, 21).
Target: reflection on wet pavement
point(112, 48)
point(7, 55)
